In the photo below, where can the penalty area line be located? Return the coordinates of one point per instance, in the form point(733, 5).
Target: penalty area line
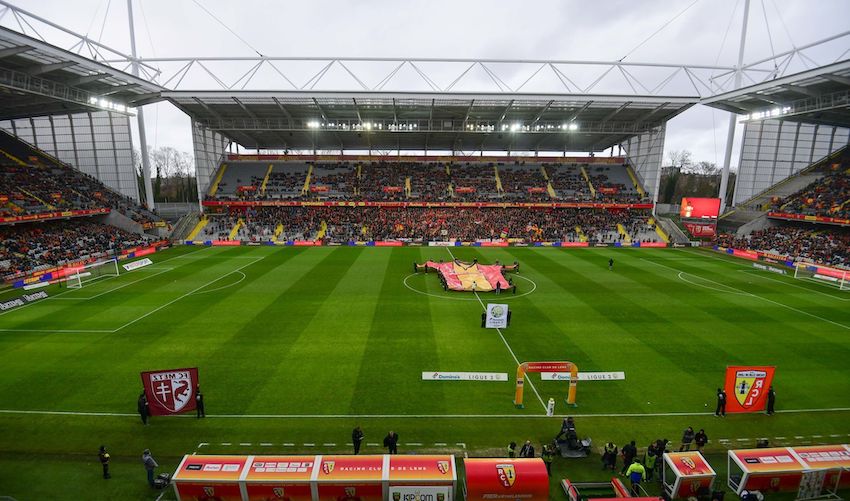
point(508, 346)
point(402, 416)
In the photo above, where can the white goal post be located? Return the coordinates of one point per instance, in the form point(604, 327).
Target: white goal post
point(835, 277)
point(91, 272)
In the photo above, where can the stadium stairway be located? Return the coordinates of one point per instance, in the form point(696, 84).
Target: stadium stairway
point(587, 179)
point(277, 232)
point(31, 195)
point(198, 228)
point(623, 233)
point(407, 187)
point(235, 230)
point(498, 180)
point(672, 230)
point(581, 236)
point(635, 181)
point(214, 185)
point(661, 233)
point(266, 180)
point(185, 225)
point(13, 158)
point(306, 188)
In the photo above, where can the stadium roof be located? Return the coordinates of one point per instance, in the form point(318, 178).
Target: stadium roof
point(37, 78)
point(425, 120)
point(820, 96)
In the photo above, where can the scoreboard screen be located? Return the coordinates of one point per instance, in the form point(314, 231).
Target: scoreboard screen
point(700, 208)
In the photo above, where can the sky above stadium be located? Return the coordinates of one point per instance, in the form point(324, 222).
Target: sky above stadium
point(662, 31)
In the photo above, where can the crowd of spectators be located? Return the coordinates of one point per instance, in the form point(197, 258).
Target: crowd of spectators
point(825, 246)
point(431, 181)
point(827, 197)
point(343, 224)
point(29, 247)
point(44, 185)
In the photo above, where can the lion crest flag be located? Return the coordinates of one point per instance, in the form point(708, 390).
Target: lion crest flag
point(170, 391)
point(746, 387)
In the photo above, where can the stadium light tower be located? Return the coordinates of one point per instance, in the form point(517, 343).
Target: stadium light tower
point(140, 115)
point(730, 135)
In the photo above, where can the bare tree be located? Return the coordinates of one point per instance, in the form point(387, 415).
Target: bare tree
point(680, 158)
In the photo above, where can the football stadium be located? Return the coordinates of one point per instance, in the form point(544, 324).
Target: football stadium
point(392, 275)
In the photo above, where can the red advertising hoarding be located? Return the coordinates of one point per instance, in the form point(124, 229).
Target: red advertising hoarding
point(200, 478)
point(746, 387)
point(489, 479)
point(701, 230)
point(350, 478)
point(699, 208)
point(687, 474)
point(170, 391)
point(285, 478)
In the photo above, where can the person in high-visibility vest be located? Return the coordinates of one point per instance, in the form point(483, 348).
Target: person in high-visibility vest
point(512, 450)
point(636, 474)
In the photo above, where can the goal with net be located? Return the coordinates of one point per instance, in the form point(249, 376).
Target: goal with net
point(835, 277)
point(82, 275)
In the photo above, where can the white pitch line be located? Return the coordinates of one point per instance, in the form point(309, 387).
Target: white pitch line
point(798, 437)
point(225, 443)
point(309, 445)
point(331, 444)
point(415, 444)
point(66, 292)
point(834, 435)
point(266, 444)
point(508, 346)
point(402, 416)
point(288, 445)
point(756, 273)
point(751, 294)
point(748, 268)
point(440, 444)
point(188, 293)
point(371, 444)
point(113, 289)
point(245, 444)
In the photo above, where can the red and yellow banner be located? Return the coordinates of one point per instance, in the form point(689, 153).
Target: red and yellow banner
point(357, 468)
point(494, 478)
point(746, 387)
point(427, 469)
point(815, 219)
point(531, 205)
point(42, 216)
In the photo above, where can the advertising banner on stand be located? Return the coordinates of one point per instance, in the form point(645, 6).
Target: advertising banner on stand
point(746, 387)
point(497, 316)
point(170, 391)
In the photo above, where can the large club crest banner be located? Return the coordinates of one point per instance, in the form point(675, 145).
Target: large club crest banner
point(747, 386)
point(170, 391)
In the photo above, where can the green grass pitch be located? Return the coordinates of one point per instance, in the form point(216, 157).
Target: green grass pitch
point(297, 345)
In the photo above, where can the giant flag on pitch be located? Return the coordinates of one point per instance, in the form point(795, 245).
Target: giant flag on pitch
point(170, 391)
point(746, 387)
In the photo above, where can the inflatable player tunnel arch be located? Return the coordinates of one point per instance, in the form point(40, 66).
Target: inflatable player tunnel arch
point(545, 367)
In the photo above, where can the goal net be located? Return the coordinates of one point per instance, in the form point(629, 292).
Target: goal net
point(91, 272)
point(835, 277)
